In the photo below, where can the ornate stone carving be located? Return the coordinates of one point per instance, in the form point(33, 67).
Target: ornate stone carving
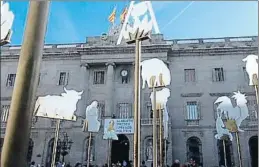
point(191, 94)
point(86, 65)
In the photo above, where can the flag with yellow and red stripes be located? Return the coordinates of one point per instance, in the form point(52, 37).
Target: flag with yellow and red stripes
point(111, 18)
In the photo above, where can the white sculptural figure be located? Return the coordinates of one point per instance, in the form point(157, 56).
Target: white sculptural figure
point(7, 18)
point(237, 113)
point(109, 132)
point(221, 129)
point(157, 68)
point(161, 97)
point(251, 67)
point(59, 107)
point(149, 151)
point(91, 117)
point(137, 10)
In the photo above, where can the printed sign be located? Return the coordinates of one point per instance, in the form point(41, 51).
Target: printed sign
point(120, 126)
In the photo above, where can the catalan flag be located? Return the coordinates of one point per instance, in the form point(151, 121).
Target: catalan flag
point(111, 18)
point(123, 14)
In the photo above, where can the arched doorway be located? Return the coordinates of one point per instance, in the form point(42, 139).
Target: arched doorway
point(194, 150)
point(228, 151)
point(253, 148)
point(120, 149)
point(50, 150)
point(30, 150)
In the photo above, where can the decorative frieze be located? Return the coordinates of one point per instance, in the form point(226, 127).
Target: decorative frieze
point(230, 94)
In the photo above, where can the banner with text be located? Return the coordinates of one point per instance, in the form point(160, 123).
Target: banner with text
point(120, 126)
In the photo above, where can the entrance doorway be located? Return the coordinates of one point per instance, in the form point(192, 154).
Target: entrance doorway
point(120, 149)
point(253, 148)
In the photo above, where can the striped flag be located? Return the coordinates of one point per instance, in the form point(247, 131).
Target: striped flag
point(111, 18)
point(123, 14)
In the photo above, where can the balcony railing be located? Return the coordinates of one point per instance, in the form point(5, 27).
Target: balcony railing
point(3, 124)
point(148, 121)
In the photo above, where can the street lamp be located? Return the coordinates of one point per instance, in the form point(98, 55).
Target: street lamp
point(65, 145)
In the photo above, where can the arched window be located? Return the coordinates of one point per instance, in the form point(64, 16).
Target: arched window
point(50, 150)
point(253, 148)
point(194, 150)
point(30, 150)
point(149, 149)
point(228, 151)
point(92, 149)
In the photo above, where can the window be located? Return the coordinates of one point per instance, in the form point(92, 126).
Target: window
point(10, 79)
point(192, 110)
point(63, 78)
point(101, 109)
point(246, 77)
point(5, 113)
point(218, 75)
point(124, 110)
point(252, 108)
point(189, 75)
point(99, 77)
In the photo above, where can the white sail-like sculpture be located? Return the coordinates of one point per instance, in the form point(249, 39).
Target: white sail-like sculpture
point(7, 18)
point(91, 123)
point(136, 10)
point(161, 98)
point(234, 114)
point(251, 67)
point(155, 68)
point(58, 107)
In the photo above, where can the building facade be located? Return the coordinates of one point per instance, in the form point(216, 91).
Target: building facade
point(201, 71)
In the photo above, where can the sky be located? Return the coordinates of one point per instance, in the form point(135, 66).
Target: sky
point(72, 22)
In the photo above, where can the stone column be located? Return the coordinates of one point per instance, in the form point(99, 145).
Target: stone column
point(85, 72)
point(110, 89)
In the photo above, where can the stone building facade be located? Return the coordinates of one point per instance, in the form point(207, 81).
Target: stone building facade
point(201, 71)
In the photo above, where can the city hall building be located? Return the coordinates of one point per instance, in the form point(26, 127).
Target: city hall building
point(201, 71)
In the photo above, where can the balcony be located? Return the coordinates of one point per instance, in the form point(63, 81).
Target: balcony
point(3, 125)
point(148, 121)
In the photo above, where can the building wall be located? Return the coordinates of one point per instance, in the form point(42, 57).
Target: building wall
point(82, 60)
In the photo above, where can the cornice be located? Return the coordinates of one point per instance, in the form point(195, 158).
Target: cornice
point(230, 93)
point(212, 51)
point(123, 49)
point(47, 56)
point(6, 98)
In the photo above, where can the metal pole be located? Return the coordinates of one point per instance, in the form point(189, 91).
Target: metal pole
point(225, 155)
point(89, 149)
point(154, 129)
point(165, 152)
point(139, 123)
point(136, 105)
point(109, 153)
point(161, 136)
point(17, 135)
point(53, 161)
point(238, 150)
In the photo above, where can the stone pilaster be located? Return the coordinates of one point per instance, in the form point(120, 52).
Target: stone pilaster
point(110, 89)
point(85, 72)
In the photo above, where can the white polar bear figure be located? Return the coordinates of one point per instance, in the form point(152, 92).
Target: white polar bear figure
point(161, 98)
point(91, 118)
point(155, 68)
point(251, 67)
point(221, 129)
